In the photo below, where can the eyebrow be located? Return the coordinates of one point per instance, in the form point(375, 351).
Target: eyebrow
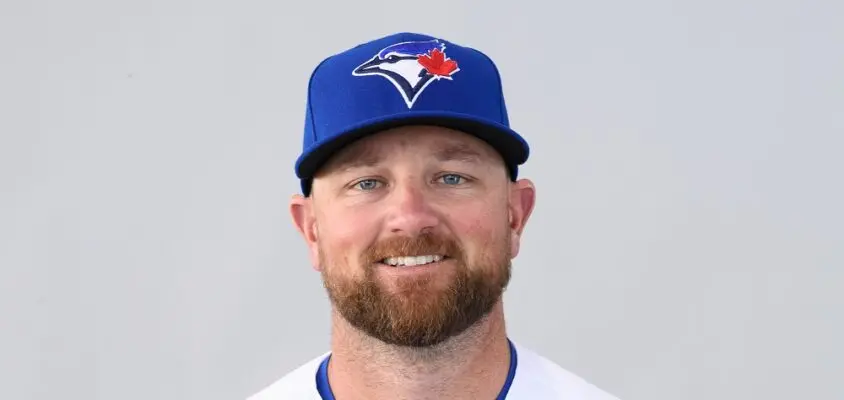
point(368, 156)
point(360, 157)
point(458, 152)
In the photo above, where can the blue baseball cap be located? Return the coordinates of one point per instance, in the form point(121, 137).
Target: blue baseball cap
point(404, 79)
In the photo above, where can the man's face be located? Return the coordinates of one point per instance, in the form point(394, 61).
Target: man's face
point(413, 230)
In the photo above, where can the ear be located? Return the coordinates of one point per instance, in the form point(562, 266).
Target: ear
point(522, 201)
point(301, 210)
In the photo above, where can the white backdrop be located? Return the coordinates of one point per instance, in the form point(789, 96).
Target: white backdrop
point(687, 242)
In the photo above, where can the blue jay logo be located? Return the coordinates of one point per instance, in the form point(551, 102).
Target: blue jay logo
point(410, 67)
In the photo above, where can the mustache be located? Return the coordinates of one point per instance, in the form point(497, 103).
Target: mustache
point(423, 244)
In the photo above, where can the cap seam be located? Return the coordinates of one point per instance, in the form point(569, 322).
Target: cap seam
point(310, 97)
point(500, 86)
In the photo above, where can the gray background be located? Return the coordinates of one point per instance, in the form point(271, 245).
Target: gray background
point(687, 241)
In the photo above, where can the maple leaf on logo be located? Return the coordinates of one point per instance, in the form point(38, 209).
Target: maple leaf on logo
point(436, 64)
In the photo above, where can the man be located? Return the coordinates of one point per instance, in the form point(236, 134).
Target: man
point(412, 210)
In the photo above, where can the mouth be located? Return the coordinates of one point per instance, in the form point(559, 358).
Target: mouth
point(413, 261)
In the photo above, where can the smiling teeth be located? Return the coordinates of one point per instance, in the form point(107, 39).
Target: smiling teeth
point(412, 261)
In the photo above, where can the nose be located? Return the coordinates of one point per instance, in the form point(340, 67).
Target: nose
point(410, 211)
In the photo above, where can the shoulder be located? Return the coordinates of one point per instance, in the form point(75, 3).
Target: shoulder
point(539, 377)
point(298, 384)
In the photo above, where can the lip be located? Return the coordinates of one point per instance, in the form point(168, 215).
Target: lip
point(416, 269)
point(432, 258)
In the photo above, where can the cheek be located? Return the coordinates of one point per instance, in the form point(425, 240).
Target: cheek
point(343, 238)
point(480, 227)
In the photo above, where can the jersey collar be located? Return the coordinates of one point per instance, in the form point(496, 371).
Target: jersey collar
point(324, 388)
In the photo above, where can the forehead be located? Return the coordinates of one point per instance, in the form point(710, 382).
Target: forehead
point(436, 142)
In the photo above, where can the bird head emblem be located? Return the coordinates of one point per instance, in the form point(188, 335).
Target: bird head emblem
point(410, 66)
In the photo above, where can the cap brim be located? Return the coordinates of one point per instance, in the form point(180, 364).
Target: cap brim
point(512, 147)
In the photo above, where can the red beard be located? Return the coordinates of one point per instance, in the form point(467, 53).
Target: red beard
point(419, 313)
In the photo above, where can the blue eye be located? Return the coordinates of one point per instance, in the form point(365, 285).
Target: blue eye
point(452, 179)
point(367, 184)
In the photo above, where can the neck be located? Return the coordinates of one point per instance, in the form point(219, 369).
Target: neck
point(472, 365)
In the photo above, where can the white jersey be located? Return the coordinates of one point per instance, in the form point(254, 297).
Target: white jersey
point(533, 377)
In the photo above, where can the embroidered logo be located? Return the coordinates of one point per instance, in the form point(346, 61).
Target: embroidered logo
point(410, 67)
